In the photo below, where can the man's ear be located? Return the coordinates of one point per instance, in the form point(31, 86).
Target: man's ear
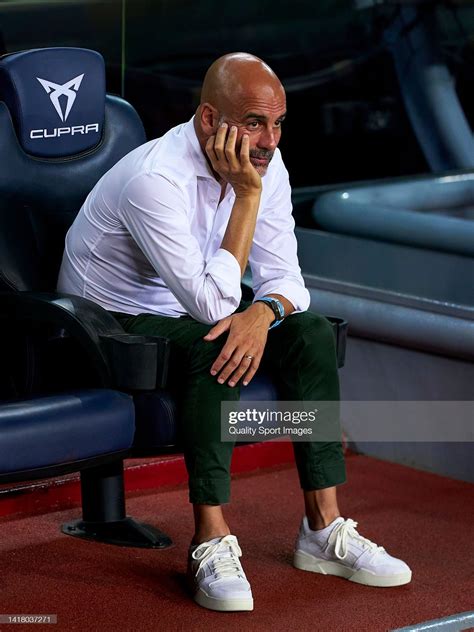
point(209, 119)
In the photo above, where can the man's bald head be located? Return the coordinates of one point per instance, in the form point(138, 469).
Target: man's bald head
point(242, 91)
point(232, 76)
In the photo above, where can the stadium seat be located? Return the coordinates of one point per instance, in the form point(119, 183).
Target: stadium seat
point(88, 431)
point(59, 133)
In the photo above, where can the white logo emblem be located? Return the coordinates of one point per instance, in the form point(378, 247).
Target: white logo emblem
point(68, 89)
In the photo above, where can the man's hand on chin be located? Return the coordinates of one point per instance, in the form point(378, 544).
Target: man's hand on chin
point(243, 350)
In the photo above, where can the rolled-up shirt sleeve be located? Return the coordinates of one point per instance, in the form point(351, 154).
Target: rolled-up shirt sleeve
point(273, 258)
point(154, 211)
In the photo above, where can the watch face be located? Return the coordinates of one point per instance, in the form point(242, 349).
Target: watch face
point(275, 308)
point(278, 308)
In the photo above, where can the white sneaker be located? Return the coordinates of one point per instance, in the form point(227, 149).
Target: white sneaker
point(217, 577)
point(340, 550)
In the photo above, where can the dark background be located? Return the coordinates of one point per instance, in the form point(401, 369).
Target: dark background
point(346, 120)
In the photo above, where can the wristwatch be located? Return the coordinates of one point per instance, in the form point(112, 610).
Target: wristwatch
point(276, 307)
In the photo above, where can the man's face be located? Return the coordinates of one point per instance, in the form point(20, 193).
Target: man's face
point(260, 116)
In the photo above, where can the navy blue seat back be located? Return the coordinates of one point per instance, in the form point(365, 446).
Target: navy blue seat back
point(59, 133)
point(56, 99)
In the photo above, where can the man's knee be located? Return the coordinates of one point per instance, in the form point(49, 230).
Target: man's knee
point(311, 326)
point(313, 336)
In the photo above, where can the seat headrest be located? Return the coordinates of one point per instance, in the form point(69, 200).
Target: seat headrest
point(56, 98)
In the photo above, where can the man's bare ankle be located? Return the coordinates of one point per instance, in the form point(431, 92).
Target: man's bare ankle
point(321, 522)
point(205, 536)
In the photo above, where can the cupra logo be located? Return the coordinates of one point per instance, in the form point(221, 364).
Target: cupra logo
point(68, 89)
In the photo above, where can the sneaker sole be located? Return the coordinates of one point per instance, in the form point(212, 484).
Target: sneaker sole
point(223, 605)
point(307, 562)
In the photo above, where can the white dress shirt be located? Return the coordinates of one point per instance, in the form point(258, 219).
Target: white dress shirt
point(147, 238)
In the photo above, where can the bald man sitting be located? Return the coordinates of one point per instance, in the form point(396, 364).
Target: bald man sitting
point(162, 241)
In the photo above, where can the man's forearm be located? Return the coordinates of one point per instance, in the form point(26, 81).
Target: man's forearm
point(240, 229)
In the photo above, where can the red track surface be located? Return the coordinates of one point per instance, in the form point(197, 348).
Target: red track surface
point(420, 517)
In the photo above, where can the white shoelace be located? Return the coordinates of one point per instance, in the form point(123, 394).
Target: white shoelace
point(222, 565)
point(344, 531)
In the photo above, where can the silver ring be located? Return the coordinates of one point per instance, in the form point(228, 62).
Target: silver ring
point(249, 357)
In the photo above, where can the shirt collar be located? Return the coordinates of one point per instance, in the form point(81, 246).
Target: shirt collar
point(199, 160)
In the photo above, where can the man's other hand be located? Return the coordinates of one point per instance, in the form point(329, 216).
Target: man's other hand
point(243, 350)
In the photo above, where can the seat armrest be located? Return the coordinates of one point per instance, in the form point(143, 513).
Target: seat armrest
point(339, 327)
point(121, 360)
point(131, 356)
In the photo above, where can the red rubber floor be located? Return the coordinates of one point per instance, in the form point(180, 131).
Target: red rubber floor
point(425, 519)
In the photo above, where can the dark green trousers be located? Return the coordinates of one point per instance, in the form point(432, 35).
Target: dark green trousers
point(300, 355)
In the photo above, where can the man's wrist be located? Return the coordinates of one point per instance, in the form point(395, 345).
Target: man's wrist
point(265, 310)
point(277, 308)
point(252, 195)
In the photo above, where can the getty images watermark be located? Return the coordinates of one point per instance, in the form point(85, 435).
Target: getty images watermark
point(294, 421)
point(268, 423)
point(362, 421)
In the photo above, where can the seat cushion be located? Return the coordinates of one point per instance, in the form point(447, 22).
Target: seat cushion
point(157, 419)
point(261, 388)
point(64, 428)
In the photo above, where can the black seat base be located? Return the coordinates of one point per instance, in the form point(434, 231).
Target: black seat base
point(126, 532)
